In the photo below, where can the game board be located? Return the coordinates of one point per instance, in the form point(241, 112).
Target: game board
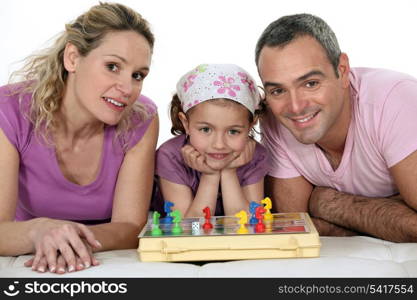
point(285, 235)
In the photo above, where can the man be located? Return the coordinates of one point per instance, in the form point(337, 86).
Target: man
point(342, 141)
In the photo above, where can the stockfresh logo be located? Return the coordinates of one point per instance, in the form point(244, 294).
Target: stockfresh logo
point(12, 290)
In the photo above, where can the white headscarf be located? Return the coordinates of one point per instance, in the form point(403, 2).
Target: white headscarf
point(214, 81)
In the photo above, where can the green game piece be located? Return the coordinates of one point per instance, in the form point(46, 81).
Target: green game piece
point(177, 216)
point(176, 229)
point(155, 217)
point(155, 227)
point(156, 231)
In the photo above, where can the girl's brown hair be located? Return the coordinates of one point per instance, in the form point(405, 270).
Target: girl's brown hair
point(176, 108)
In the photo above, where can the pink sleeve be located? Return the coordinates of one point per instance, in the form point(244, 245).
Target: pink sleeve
point(397, 132)
point(280, 163)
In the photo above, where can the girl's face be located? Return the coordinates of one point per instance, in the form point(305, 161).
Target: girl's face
point(217, 130)
point(109, 79)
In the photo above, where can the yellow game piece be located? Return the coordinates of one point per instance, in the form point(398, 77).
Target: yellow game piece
point(268, 206)
point(268, 225)
point(242, 221)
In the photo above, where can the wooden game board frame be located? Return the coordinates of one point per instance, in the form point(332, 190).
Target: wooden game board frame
point(230, 247)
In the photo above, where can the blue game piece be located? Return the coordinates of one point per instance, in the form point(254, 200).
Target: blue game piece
point(252, 206)
point(166, 220)
point(167, 210)
point(252, 209)
point(167, 207)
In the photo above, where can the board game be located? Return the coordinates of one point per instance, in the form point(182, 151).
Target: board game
point(281, 235)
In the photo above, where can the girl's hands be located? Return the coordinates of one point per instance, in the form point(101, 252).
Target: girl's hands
point(196, 160)
point(244, 157)
point(62, 245)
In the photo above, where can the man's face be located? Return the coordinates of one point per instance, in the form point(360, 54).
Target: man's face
point(302, 89)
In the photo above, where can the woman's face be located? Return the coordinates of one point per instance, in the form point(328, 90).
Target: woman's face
point(109, 79)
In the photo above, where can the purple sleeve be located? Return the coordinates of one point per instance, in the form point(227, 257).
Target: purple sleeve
point(12, 122)
point(256, 169)
point(142, 126)
point(169, 162)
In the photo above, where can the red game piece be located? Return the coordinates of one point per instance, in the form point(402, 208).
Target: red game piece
point(260, 226)
point(207, 216)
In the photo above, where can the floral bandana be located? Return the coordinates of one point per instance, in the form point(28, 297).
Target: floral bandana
point(214, 81)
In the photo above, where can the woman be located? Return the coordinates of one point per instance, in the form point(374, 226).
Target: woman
point(77, 144)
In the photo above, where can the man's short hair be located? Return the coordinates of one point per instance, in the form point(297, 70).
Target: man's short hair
point(284, 30)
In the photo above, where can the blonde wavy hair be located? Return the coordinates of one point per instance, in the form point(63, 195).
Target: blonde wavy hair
point(45, 77)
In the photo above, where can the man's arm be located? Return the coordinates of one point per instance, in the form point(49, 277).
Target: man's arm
point(405, 177)
point(292, 195)
point(288, 195)
point(393, 218)
point(328, 229)
point(386, 218)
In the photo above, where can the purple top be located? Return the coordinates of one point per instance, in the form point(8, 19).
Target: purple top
point(171, 166)
point(43, 189)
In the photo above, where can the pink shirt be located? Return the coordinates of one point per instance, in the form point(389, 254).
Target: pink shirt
point(382, 132)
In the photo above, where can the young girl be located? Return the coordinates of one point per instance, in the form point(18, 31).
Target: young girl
point(213, 162)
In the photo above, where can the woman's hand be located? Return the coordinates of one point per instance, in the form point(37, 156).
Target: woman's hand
point(196, 160)
point(61, 266)
point(55, 240)
point(244, 157)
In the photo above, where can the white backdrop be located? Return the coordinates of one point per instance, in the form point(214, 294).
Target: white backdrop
point(189, 32)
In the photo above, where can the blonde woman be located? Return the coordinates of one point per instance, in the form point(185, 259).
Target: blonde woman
point(77, 143)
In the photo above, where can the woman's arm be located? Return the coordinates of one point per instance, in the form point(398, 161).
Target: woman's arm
point(132, 195)
point(14, 238)
point(76, 242)
point(17, 238)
